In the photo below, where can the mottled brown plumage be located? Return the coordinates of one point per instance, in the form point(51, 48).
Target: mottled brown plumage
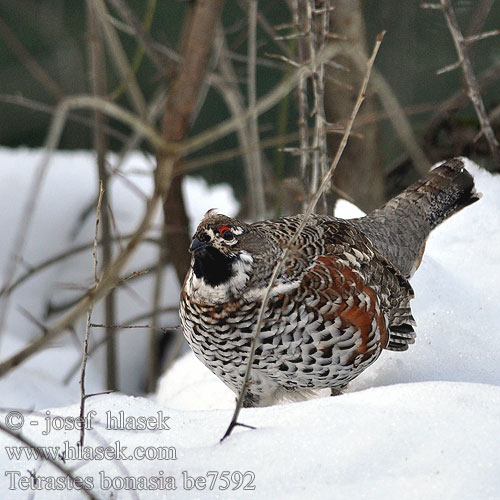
point(341, 298)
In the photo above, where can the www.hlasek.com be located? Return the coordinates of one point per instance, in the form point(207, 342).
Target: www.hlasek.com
point(212, 480)
point(114, 451)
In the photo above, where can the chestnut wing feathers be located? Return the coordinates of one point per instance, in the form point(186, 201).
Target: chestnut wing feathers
point(376, 297)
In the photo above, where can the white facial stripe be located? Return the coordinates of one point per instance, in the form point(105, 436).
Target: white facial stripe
point(210, 233)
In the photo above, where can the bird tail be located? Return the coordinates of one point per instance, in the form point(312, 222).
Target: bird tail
point(400, 228)
point(446, 190)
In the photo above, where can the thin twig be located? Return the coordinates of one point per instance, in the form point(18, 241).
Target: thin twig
point(33, 105)
point(481, 36)
point(427, 5)
point(30, 63)
point(154, 357)
point(470, 78)
point(108, 281)
point(51, 142)
point(119, 57)
point(268, 101)
point(96, 233)
point(85, 355)
point(230, 92)
point(159, 59)
point(125, 326)
point(89, 316)
point(266, 27)
point(326, 180)
point(66, 254)
point(99, 88)
point(44, 456)
point(478, 19)
point(448, 68)
point(256, 187)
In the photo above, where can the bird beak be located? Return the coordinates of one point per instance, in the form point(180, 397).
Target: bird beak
point(197, 245)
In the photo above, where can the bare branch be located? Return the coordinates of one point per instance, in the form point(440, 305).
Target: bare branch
point(470, 78)
point(435, 6)
point(29, 62)
point(96, 233)
point(256, 186)
point(99, 87)
point(129, 324)
point(154, 368)
point(130, 327)
point(50, 109)
point(108, 281)
point(268, 101)
point(119, 57)
point(83, 369)
point(44, 456)
point(479, 17)
point(89, 316)
point(449, 68)
point(32, 270)
point(142, 36)
point(481, 36)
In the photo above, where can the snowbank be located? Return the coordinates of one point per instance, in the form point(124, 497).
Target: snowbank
point(419, 424)
point(67, 192)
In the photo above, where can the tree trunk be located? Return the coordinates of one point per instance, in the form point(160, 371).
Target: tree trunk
point(360, 172)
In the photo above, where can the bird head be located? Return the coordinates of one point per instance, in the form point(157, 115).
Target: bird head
point(220, 252)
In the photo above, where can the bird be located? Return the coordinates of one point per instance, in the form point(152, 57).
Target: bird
point(341, 297)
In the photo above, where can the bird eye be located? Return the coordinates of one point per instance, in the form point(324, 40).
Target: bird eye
point(226, 233)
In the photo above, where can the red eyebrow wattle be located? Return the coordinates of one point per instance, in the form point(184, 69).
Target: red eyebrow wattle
point(224, 228)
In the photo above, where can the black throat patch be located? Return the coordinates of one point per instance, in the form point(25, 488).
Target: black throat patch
point(212, 266)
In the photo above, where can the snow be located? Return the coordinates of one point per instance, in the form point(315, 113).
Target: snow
point(419, 424)
point(68, 190)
